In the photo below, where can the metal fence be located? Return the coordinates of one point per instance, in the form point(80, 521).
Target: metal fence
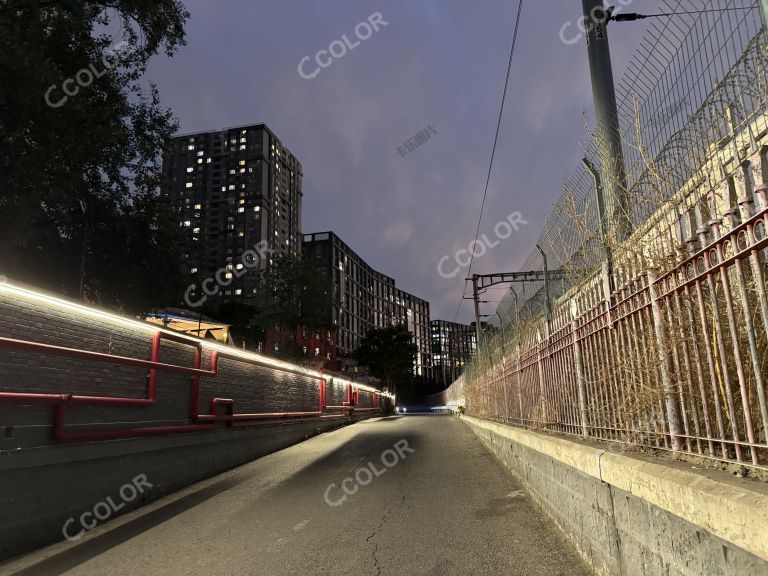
point(693, 79)
point(668, 346)
point(675, 356)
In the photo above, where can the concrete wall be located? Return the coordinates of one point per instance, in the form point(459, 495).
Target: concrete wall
point(44, 482)
point(633, 517)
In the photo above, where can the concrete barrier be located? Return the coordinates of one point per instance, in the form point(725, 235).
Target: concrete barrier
point(633, 517)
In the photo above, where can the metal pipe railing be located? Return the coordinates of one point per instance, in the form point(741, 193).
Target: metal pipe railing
point(199, 421)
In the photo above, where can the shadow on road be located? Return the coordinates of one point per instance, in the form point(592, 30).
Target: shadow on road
point(80, 553)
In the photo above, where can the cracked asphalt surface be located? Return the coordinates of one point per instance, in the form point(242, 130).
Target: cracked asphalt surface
point(448, 507)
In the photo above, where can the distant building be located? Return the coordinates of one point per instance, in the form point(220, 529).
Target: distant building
point(232, 190)
point(364, 299)
point(453, 345)
point(316, 348)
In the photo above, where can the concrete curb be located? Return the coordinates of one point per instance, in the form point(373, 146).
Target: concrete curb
point(730, 511)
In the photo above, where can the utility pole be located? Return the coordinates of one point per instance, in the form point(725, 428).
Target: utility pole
point(477, 310)
point(764, 7)
point(607, 117)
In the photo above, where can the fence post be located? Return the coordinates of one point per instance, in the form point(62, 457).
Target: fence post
point(579, 361)
point(662, 346)
point(504, 385)
point(547, 302)
point(519, 385)
point(540, 362)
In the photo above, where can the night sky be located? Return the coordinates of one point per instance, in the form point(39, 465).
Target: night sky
point(437, 63)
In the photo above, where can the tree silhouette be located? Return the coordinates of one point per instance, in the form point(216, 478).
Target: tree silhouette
point(389, 353)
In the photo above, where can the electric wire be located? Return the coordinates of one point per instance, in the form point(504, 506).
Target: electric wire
point(493, 151)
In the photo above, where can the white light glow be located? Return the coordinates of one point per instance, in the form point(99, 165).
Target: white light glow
point(87, 311)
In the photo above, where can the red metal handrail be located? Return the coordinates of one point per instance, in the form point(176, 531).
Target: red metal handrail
point(62, 401)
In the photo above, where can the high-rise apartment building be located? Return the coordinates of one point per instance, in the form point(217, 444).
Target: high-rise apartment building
point(453, 345)
point(234, 191)
point(364, 299)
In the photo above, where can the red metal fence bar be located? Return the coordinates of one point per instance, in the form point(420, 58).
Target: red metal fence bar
point(675, 357)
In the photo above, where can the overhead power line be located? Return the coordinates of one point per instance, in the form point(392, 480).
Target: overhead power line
point(493, 151)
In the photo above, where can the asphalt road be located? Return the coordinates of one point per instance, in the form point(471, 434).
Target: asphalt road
point(433, 501)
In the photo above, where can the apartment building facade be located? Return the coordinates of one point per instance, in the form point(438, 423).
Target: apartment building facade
point(453, 345)
point(234, 191)
point(364, 299)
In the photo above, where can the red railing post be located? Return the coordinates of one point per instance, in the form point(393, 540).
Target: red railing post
point(663, 348)
point(579, 361)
